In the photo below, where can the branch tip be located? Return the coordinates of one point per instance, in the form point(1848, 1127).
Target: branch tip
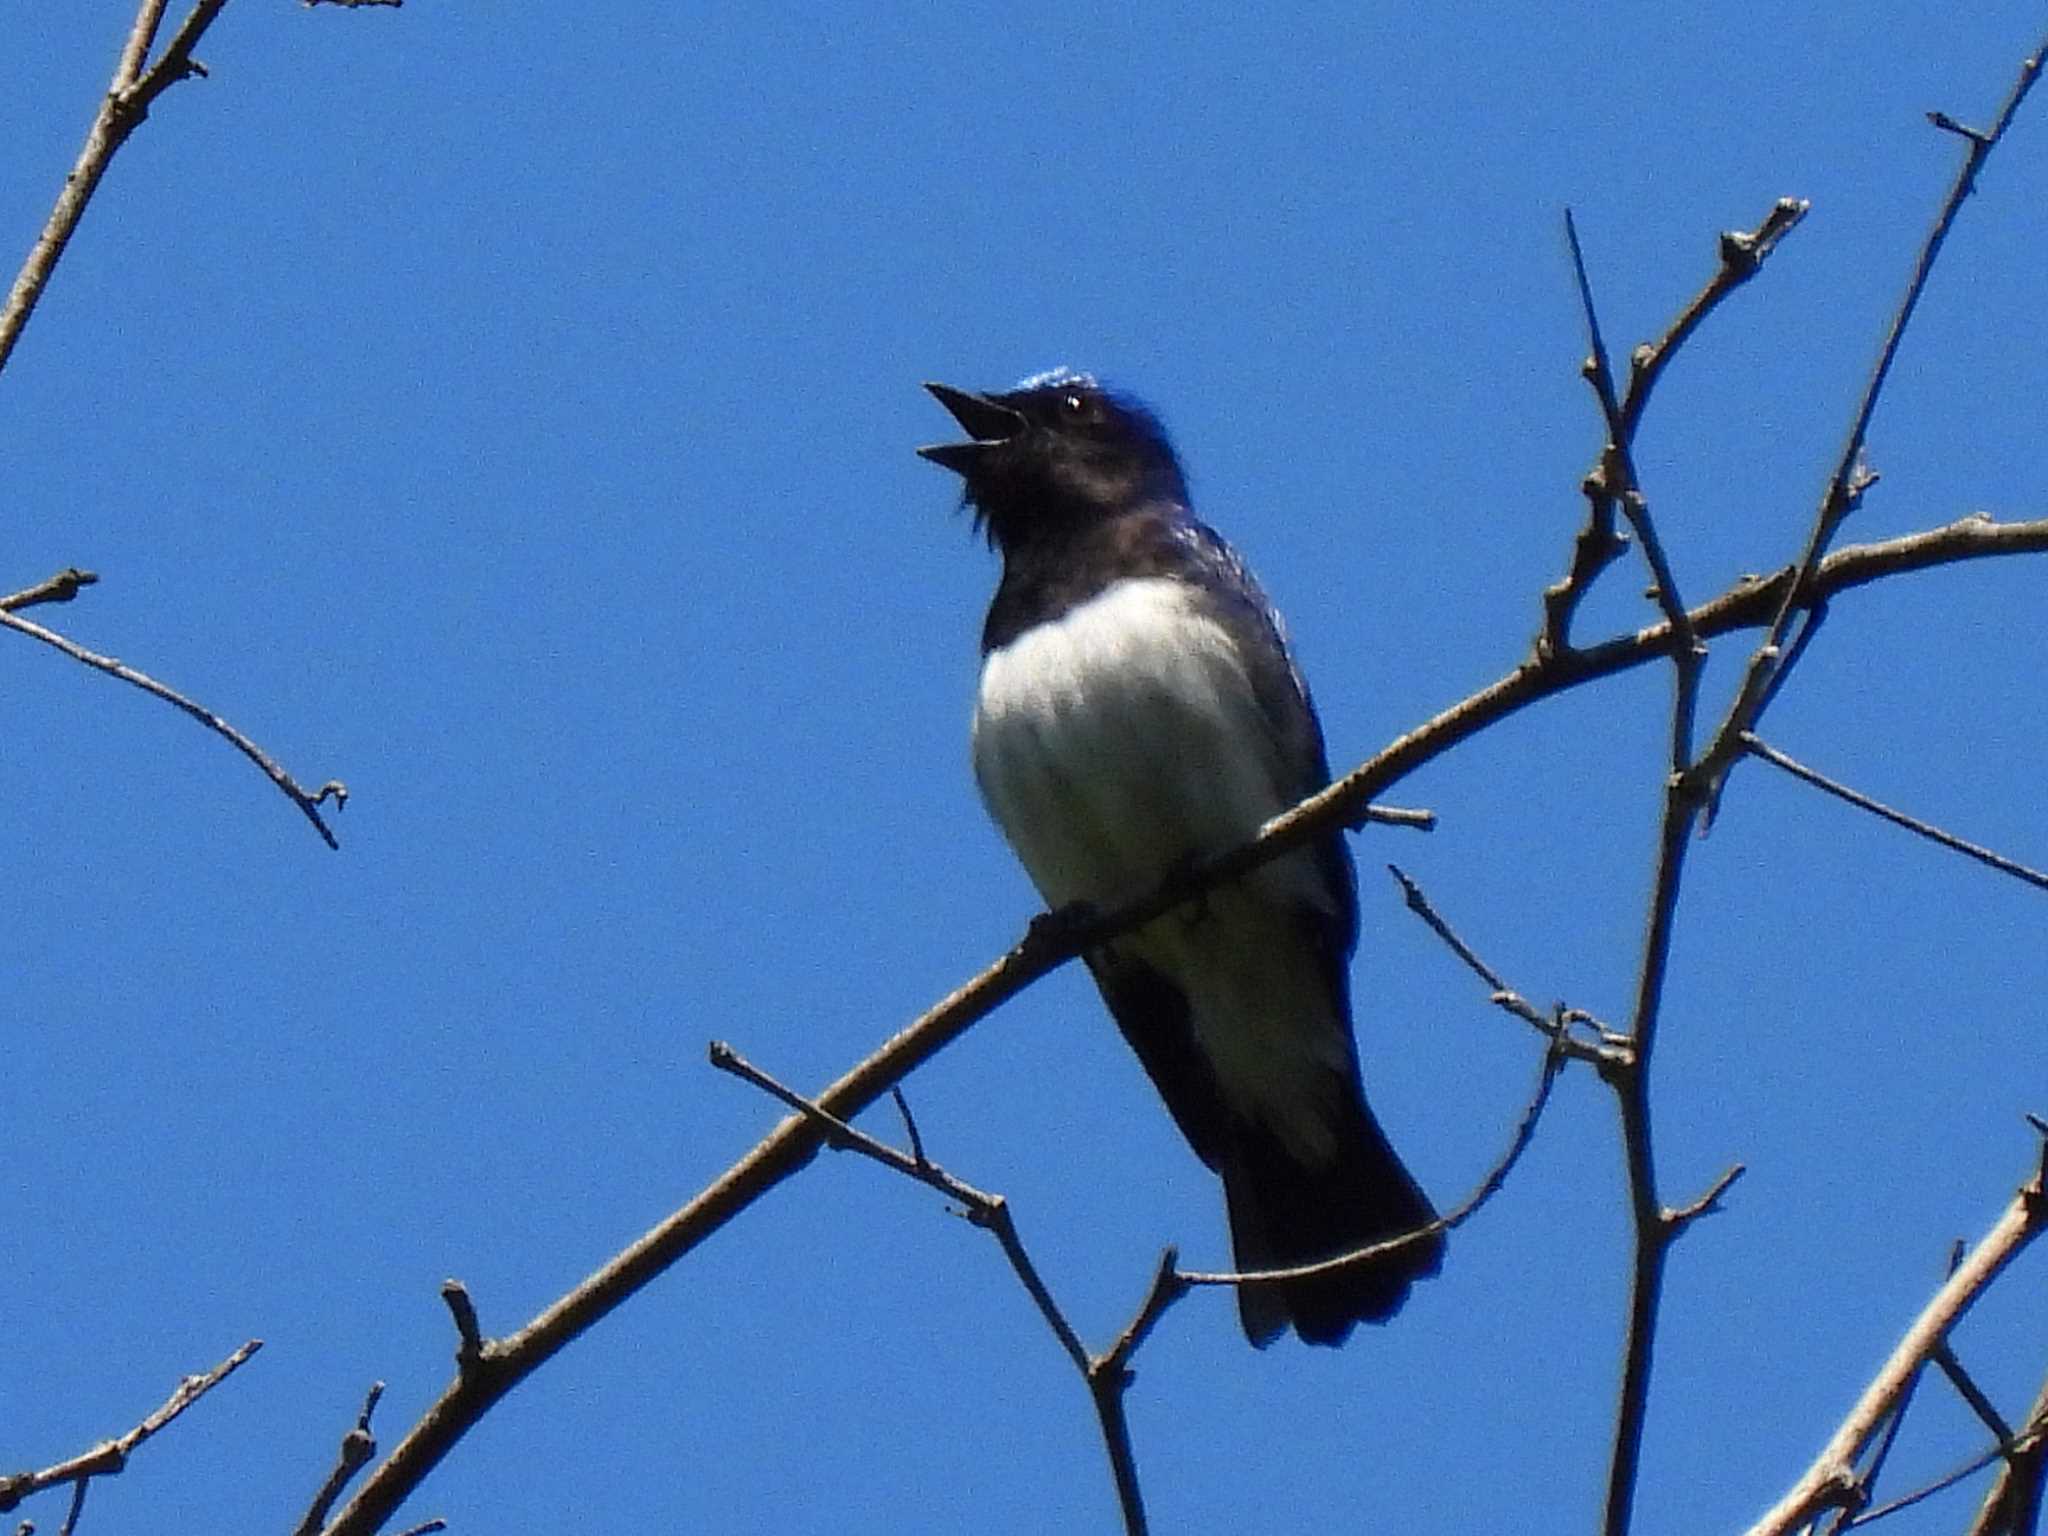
point(469, 1347)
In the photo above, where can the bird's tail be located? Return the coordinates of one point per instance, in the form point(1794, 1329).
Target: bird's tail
point(1286, 1212)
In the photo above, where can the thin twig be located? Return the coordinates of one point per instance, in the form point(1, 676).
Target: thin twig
point(1615, 476)
point(1608, 1051)
point(1852, 475)
point(1554, 1057)
point(111, 1456)
point(991, 1212)
point(1872, 1462)
point(1708, 1204)
point(358, 1449)
point(308, 801)
point(1758, 748)
point(1925, 1491)
point(1691, 792)
point(1742, 254)
point(1597, 544)
point(1944, 1355)
point(1656, 1227)
point(1881, 1449)
point(1109, 1378)
point(909, 1123)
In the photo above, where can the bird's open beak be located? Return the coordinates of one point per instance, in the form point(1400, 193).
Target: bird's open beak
point(987, 421)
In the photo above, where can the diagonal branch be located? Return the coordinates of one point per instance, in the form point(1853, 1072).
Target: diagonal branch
point(1049, 945)
point(111, 1456)
point(121, 112)
point(1831, 1482)
point(2013, 1506)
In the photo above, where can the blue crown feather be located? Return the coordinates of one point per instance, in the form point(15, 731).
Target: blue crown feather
point(1054, 378)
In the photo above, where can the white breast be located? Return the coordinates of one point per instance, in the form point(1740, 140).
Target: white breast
point(1119, 741)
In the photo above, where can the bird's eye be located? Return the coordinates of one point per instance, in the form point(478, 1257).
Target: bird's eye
point(1075, 405)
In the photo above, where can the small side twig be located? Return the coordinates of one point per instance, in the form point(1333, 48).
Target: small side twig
point(1615, 477)
point(1944, 1355)
point(470, 1343)
point(1743, 253)
point(1607, 1052)
point(990, 1212)
point(308, 801)
point(1598, 544)
point(60, 588)
point(1708, 1204)
point(358, 1447)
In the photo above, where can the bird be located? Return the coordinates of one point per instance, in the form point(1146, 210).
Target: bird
point(1139, 709)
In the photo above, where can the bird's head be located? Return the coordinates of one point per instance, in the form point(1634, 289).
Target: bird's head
point(1054, 455)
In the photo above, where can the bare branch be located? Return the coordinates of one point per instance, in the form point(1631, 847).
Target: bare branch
point(1831, 1482)
point(1555, 1026)
point(1496, 1177)
point(121, 112)
point(1045, 947)
point(2013, 1506)
point(308, 801)
point(1598, 545)
point(1757, 748)
point(60, 588)
point(358, 1448)
point(1852, 475)
point(110, 1457)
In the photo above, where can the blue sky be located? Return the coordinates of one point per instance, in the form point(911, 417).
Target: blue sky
point(509, 410)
